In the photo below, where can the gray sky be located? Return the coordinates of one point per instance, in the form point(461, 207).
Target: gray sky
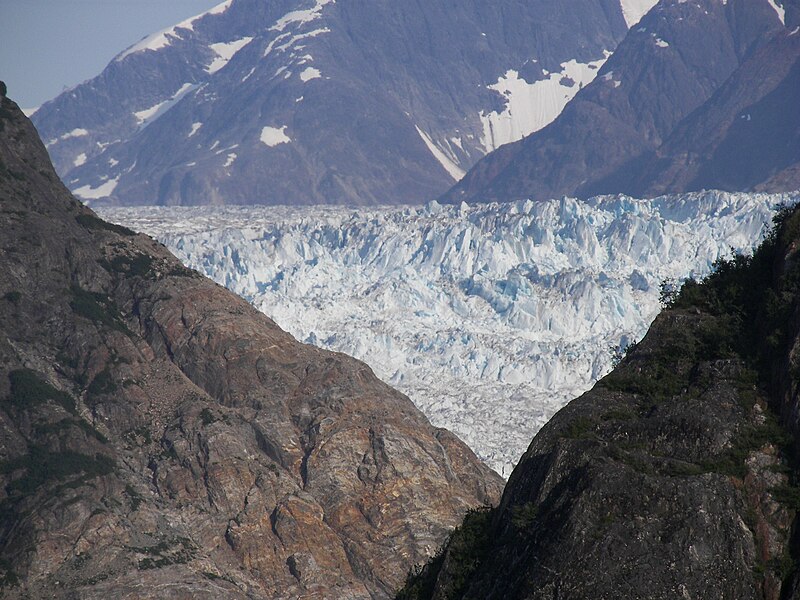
point(47, 45)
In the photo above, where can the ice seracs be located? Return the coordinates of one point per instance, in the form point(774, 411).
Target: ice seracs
point(490, 318)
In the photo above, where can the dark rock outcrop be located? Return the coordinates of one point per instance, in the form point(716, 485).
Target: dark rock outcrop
point(160, 438)
point(668, 113)
point(675, 477)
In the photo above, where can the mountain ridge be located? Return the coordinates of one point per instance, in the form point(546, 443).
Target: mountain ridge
point(669, 67)
point(159, 437)
point(322, 102)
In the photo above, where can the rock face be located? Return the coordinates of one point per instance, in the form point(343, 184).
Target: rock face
point(692, 98)
point(672, 478)
point(309, 102)
point(160, 438)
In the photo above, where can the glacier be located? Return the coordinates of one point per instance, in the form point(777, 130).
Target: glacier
point(491, 317)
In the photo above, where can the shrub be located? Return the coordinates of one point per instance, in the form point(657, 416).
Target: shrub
point(93, 222)
point(28, 389)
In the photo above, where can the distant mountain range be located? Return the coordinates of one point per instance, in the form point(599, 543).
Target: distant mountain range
point(299, 102)
point(699, 95)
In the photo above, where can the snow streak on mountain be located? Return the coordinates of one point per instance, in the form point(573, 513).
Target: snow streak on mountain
point(318, 101)
point(490, 318)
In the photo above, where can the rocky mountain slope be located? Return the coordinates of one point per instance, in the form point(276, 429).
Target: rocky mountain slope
point(699, 95)
point(675, 476)
point(317, 101)
point(490, 317)
point(160, 438)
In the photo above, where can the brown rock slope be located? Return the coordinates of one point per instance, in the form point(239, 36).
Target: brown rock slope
point(160, 438)
point(675, 477)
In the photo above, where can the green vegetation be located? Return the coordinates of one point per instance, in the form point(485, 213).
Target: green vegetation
point(580, 427)
point(102, 384)
point(465, 549)
point(97, 308)
point(134, 497)
point(42, 429)
point(29, 389)
point(176, 552)
point(8, 578)
point(95, 223)
point(140, 265)
point(207, 417)
point(13, 297)
point(524, 515)
point(41, 466)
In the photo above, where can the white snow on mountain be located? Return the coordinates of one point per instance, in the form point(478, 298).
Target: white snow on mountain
point(532, 106)
point(165, 37)
point(447, 160)
point(225, 52)
point(780, 10)
point(148, 115)
point(273, 136)
point(489, 317)
point(94, 193)
point(309, 73)
point(634, 10)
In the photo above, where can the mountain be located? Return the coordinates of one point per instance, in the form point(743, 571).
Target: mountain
point(301, 102)
point(490, 317)
point(746, 136)
point(161, 438)
point(668, 112)
point(675, 476)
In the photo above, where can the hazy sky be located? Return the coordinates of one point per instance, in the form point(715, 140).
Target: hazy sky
point(47, 45)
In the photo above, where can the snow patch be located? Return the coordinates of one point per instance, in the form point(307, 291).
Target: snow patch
point(77, 132)
point(165, 37)
point(273, 136)
point(195, 127)
point(101, 191)
point(299, 17)
point(532, 106)
point(780, 10)
point(634, 10)
point(225, 52)
point(661, 43)
point(80, 159)
point(449, 164)
point(230, 160)
point(148, 115)
point(310, 73)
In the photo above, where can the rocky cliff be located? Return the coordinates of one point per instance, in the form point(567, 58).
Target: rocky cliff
point(675, 477)
point(160, 438)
